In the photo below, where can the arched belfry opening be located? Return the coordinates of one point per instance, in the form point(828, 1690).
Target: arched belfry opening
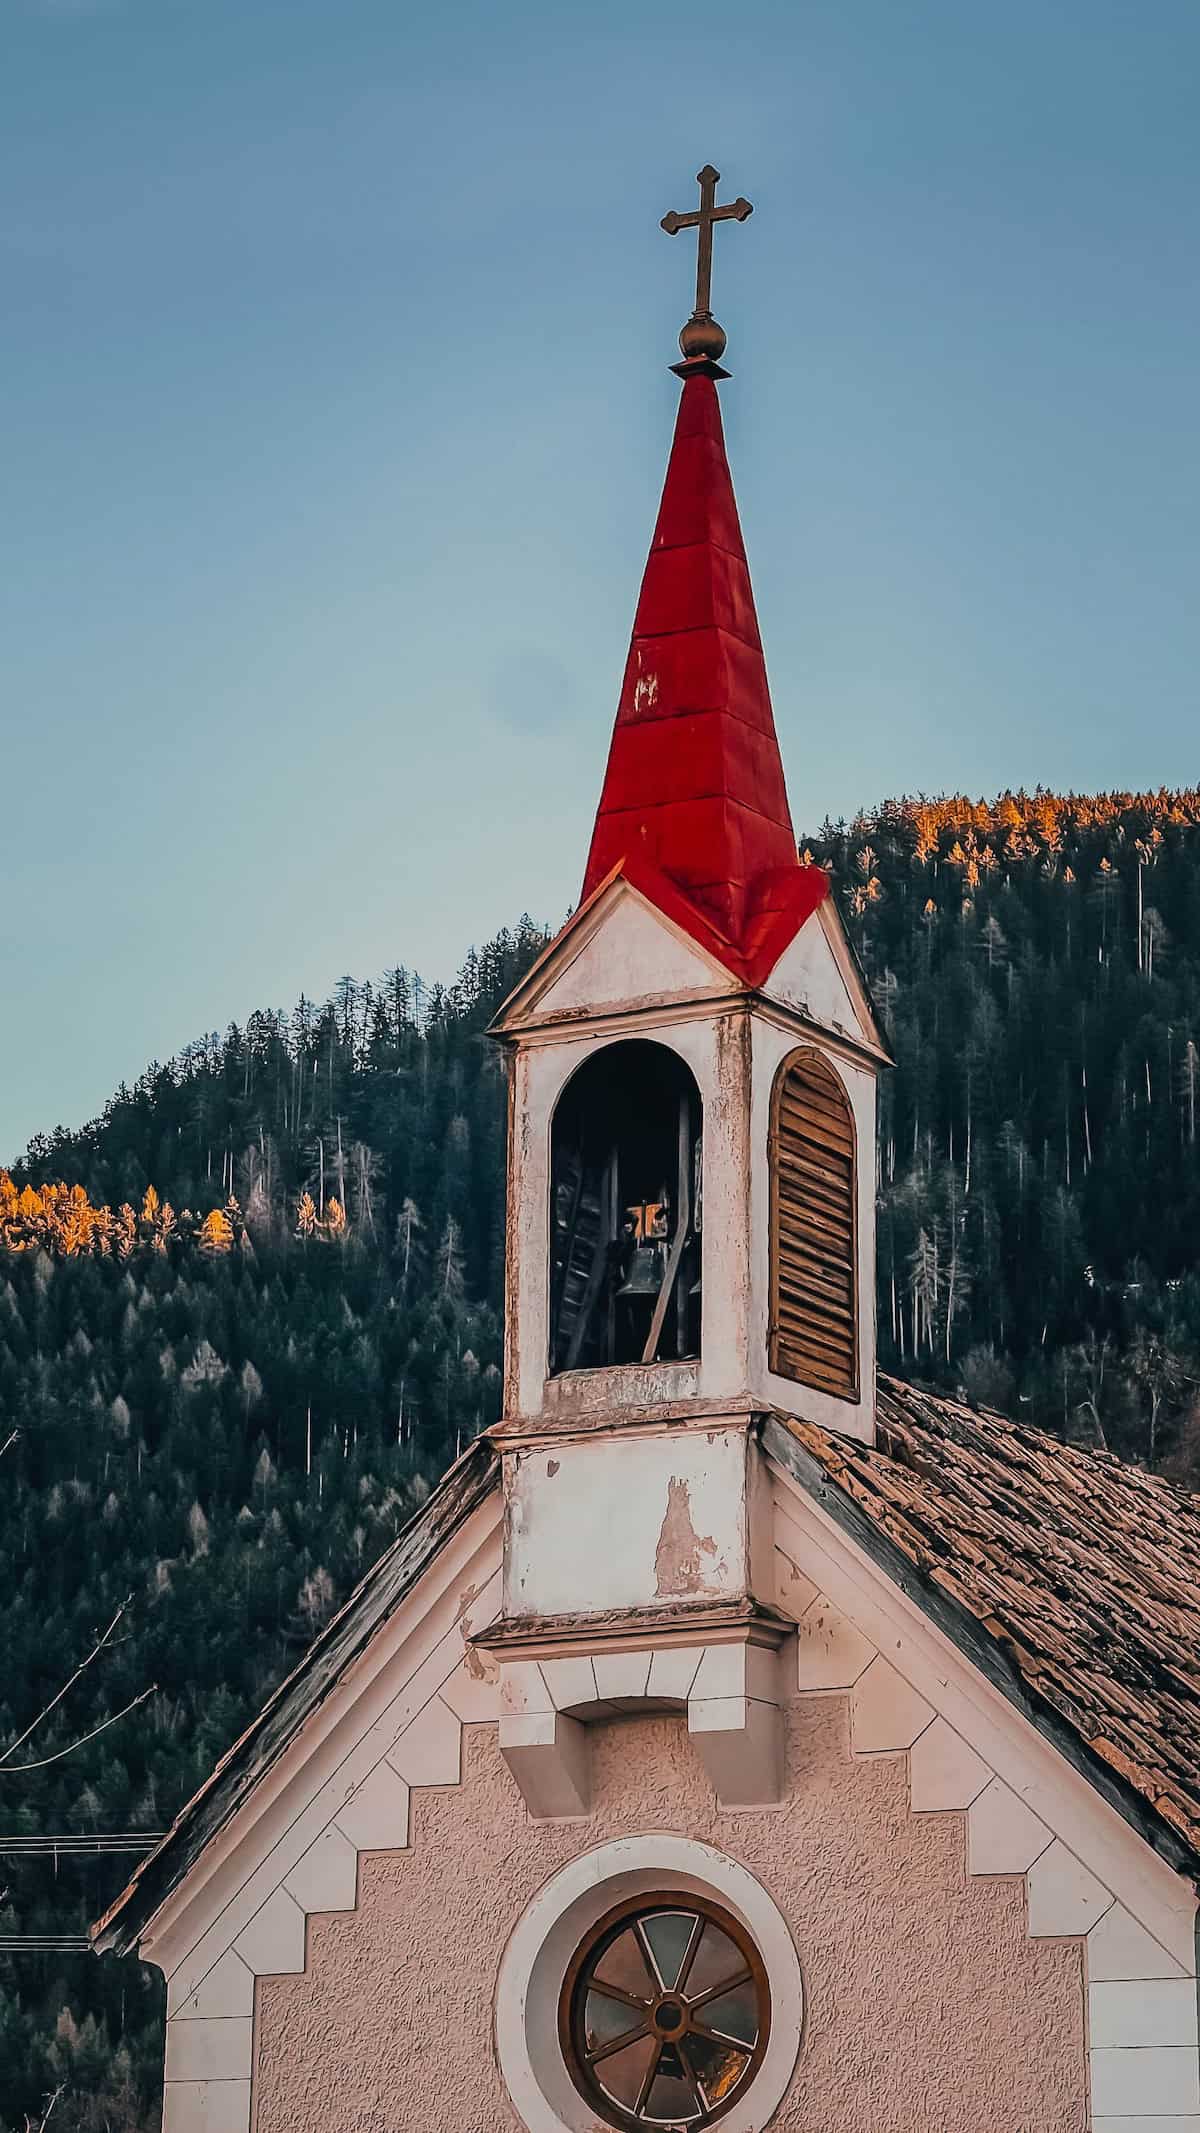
point(626, 1211)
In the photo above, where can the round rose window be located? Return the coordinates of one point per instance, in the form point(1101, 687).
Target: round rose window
point(665, 2013)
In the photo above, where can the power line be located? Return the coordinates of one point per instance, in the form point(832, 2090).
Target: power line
point(133, 1841)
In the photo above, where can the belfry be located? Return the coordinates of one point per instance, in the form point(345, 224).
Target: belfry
point(735, 1734)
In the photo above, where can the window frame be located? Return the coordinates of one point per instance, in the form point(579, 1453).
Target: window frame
point(572, 1996)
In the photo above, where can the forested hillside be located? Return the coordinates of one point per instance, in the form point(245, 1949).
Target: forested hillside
point(249, 1314)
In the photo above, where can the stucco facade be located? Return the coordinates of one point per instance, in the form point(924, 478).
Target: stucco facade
point(928, 2007)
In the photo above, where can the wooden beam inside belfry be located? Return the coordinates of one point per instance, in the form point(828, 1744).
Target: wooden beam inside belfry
point(685, 1186)
point(599, 1263)
point(675, 1256)
point(569, 1244)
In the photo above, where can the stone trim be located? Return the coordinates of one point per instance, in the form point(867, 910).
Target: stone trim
point(862, 1599)
point(1143, 2031)
point(729, 1687)
point(261, 1928)
point(209, 2062)
point(563, 1910)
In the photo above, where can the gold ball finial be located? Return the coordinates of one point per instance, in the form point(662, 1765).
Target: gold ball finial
point(702, 337)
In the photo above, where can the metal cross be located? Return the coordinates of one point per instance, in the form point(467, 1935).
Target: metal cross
point(703, 219)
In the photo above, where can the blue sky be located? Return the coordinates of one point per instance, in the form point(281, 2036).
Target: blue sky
point(335, 413)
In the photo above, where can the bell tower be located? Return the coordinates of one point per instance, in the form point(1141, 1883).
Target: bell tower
point(690, 1243)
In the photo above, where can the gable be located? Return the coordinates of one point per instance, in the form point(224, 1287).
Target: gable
point(618, 953)
point(818, 977)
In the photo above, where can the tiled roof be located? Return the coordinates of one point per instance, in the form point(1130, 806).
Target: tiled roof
point(1074, 1576)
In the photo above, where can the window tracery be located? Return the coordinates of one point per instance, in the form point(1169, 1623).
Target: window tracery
point(665, 2013)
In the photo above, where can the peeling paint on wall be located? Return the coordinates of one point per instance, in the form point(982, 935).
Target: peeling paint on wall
point(679, 1556)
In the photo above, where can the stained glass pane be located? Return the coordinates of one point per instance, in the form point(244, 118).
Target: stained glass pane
point(621, 2077)
point(668, 1933)
point(734, 2014)
point(718, 1961)
point(671, 2101)
point(624, 1965)
point(604, 2019)
point(718, 2065)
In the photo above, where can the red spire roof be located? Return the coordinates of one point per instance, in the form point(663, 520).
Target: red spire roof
point(694, 811)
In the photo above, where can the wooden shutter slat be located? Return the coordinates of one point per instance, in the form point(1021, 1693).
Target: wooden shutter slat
point(801, 1275)
point(809, 1196)
point(813, 1304)
point(803, 1118)
point(814, 1320)
point(818, 1371)
point(796, 1296)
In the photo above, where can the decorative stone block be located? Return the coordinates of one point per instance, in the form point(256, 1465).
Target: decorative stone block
point(210, 2049)
point(673, 1672)
point(228, 1989)
point(473, 1690)
point(427, 1752)
point(1143, 2012)
point(794, 1593)
point(1132, 2082)
point(886, 1714)
point(1063, 1896)
point(943, 1772)
point(522, 1687)
point(722, 1672)
point(376, 1819)
point(743, 1669)
point(571, 1682)
point(830, 1652)
point(273, 1943)
point(326, 1879)
point(547, 1754)
point(620, 1675)
point(739, 1740)
point(1118, 1947)
point(206, 2107)
point(1003, 1835)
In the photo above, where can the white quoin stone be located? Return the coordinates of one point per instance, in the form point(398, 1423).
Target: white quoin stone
point(629, 972)
point(633, 1521)
point(206, 2107)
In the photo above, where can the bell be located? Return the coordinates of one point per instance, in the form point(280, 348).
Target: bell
point(645, 1275)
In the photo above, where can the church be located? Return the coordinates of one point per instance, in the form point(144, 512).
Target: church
point(737, 1735)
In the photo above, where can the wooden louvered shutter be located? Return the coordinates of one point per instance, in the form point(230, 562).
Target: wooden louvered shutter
point(814, 1302)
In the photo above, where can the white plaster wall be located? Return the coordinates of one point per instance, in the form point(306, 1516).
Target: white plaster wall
point(807, 978)
point(626, 1520)
point(630, 955)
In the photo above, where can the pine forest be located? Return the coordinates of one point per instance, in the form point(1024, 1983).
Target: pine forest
point(251, 1312)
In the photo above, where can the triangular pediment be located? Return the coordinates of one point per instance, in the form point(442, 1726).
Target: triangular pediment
point(818, 976)
point(619, 951)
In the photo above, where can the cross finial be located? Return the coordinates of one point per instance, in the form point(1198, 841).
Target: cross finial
point(702, 341)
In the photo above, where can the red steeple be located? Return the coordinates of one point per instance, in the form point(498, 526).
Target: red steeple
point(694, 810)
